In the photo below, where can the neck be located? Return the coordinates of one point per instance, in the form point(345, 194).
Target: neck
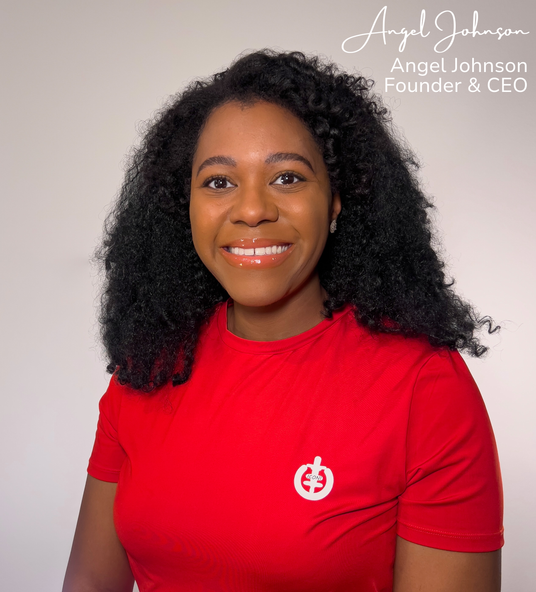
point(286, 318)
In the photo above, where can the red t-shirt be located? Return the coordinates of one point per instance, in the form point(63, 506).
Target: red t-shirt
point(292, 465)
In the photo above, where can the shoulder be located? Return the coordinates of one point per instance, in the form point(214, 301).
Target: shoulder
point(390, 350)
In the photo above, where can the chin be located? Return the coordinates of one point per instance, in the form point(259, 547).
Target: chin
point(256, 299)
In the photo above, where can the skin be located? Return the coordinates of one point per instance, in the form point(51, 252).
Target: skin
point(248, 196)
point(245, 197)
point(423, 569)
point(98, 562)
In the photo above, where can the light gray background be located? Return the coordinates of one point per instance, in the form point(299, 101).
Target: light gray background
point(77, 78)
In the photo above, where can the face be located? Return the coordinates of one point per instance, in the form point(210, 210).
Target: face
point(261, 203)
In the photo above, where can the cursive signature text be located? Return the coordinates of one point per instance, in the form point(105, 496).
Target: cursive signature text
point(445, 22)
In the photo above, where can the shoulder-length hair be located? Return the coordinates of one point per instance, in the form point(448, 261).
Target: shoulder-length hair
point(157, 293)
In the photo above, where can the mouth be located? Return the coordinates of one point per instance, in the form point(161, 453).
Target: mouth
point(246, 255)
point(259, 251)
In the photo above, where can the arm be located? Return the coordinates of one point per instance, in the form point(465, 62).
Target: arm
point(98, 562)
point(423, 569)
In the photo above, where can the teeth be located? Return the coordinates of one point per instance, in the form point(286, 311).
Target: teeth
point(273, 250)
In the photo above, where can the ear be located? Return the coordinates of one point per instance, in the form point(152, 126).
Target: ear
point(335, 206)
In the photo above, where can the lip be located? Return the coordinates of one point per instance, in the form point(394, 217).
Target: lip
point(256, 261)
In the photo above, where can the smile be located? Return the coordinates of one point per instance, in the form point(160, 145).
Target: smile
point(257, 257)
point(271, 250)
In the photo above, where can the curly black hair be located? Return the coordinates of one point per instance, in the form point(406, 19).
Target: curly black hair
point(157, 293)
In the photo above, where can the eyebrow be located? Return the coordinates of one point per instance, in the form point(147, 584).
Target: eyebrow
point(272, 158)
point(283, 156)
point(225, 160)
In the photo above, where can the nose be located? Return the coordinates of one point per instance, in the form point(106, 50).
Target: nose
point(253, 205)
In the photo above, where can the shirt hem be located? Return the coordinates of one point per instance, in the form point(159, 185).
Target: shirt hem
point(103, 474)
point(451, 541)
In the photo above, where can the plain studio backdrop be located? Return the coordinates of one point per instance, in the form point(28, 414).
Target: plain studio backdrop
point(77, 80)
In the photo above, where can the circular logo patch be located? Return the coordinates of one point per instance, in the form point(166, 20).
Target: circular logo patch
point(313, 482)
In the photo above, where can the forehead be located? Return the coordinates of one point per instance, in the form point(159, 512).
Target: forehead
point(256, 127)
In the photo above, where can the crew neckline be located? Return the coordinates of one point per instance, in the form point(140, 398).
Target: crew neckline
point(280, 345)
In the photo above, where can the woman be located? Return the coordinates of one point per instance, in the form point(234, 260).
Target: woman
point(288, 409)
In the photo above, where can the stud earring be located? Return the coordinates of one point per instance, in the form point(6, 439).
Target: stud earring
point(333, 226)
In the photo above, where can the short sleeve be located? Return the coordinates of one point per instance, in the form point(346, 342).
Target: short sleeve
point(453, 498)
point(108, 456)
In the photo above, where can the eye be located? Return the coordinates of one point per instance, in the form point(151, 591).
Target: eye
point(218, 183)
point(288, 178)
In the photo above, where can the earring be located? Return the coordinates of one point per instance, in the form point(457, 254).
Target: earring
point(333, 226)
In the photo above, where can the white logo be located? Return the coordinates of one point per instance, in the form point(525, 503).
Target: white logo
point(314, 480)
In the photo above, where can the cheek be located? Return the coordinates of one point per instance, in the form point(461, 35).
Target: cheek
point(314, 223)
point(317, 231)
point(198, 226)
point(205, 224)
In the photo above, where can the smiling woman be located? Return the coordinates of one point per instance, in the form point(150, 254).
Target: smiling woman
point(265, 206)
point(288, 408)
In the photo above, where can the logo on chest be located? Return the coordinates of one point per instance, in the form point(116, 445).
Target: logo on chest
point(313, 482)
